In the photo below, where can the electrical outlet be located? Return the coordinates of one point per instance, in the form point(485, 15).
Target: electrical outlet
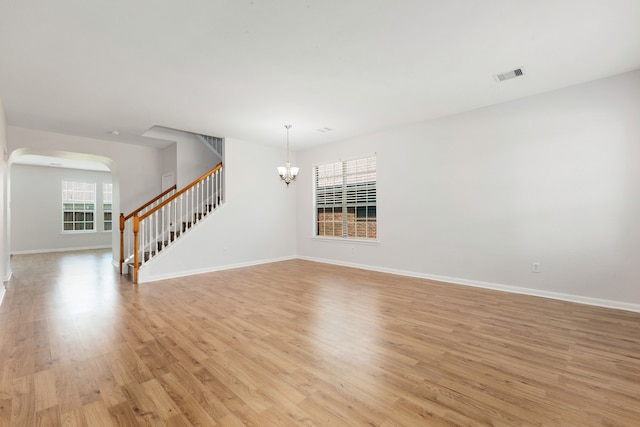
point(535, 267)
point(225, 250)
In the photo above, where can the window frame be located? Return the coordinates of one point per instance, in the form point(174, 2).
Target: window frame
point(349, 187)
point(106, 211)
point(79, 207)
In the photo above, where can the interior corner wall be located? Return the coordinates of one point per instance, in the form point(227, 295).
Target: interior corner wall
point(194, 158)
point(189, 154)
point(256, 223)
point(36, 198)
point(5, 271)
point(477, 197)
point(169, 159)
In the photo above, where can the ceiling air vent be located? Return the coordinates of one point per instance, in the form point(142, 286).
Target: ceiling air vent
point(509, 75)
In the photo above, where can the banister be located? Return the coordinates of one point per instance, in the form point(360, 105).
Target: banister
point(179, 193)
point(136, 260)
point(150, 202)
point(123, 219)
point(148, 229)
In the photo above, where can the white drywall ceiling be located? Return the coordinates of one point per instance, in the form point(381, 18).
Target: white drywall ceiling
point(243, 69)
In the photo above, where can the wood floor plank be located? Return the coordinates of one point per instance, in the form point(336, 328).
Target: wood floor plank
point(49, 417)
point(298, 343)
point(74, 418)
point(200, 386)
point(97, 415)
point(23, 404)
point(105, 380)
point(122, 415)
point(198, 412)
point(45, 389)
point(165, 406)
point(83, 377)
point(6, 386)
point(5, 412)
point(227, 399)
point(230, 376)
point(142, 405)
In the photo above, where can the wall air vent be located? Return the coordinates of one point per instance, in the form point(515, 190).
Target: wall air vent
point(509, 75)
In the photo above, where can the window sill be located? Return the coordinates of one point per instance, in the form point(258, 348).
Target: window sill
point(346, 240)
point(79, 232)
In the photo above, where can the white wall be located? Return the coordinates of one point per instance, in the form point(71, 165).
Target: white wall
point(139, 168)
point(36, 197)
point(477, 197)
point(257, 222)
point(190, 155)
point(136, 170)
point(194, 159)
point(5, 271)
point(169, 159)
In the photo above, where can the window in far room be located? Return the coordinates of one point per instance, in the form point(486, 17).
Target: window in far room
point(78, 206)
point(345, 199)
point(107, 206)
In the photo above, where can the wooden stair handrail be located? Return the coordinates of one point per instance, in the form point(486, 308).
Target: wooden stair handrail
point(159, 196)
point(136, 260)
point(137, 219)
point(124, 218)
point(121, 241)
point(179, 193)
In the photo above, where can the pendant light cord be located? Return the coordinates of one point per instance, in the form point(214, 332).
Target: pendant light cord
point(288, 127)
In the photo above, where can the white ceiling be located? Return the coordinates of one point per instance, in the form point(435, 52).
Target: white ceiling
point(59, 162)
point(243, 69)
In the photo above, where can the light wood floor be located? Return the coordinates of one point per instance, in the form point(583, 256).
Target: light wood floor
point(302, 344)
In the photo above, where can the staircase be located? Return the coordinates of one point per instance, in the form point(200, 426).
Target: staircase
point(214, 143)
point(159, 223)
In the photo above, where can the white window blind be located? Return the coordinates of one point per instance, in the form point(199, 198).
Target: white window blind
point(345, 198)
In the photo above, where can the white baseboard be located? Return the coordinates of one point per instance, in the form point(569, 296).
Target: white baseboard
point(143, 278)
point(44, 251)
point(487, 285)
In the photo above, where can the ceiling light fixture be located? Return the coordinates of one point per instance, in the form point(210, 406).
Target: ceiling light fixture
point(286, 172)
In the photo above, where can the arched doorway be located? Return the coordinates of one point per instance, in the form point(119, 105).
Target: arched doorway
point(62, 160)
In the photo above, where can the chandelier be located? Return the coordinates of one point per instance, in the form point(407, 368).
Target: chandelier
point(286, 172)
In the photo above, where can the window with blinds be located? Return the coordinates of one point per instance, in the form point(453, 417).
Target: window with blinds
point(107, 206)
point(345, 199)
point(78, 206)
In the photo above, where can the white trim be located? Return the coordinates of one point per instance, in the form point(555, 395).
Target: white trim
point(372, 242)
point(43, 251)
point(70, 232)
point(143, 278)
point(488, 285)
point(356, 157)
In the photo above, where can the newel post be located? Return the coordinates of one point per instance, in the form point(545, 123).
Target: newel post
point(121, 241)
point(136, 252)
